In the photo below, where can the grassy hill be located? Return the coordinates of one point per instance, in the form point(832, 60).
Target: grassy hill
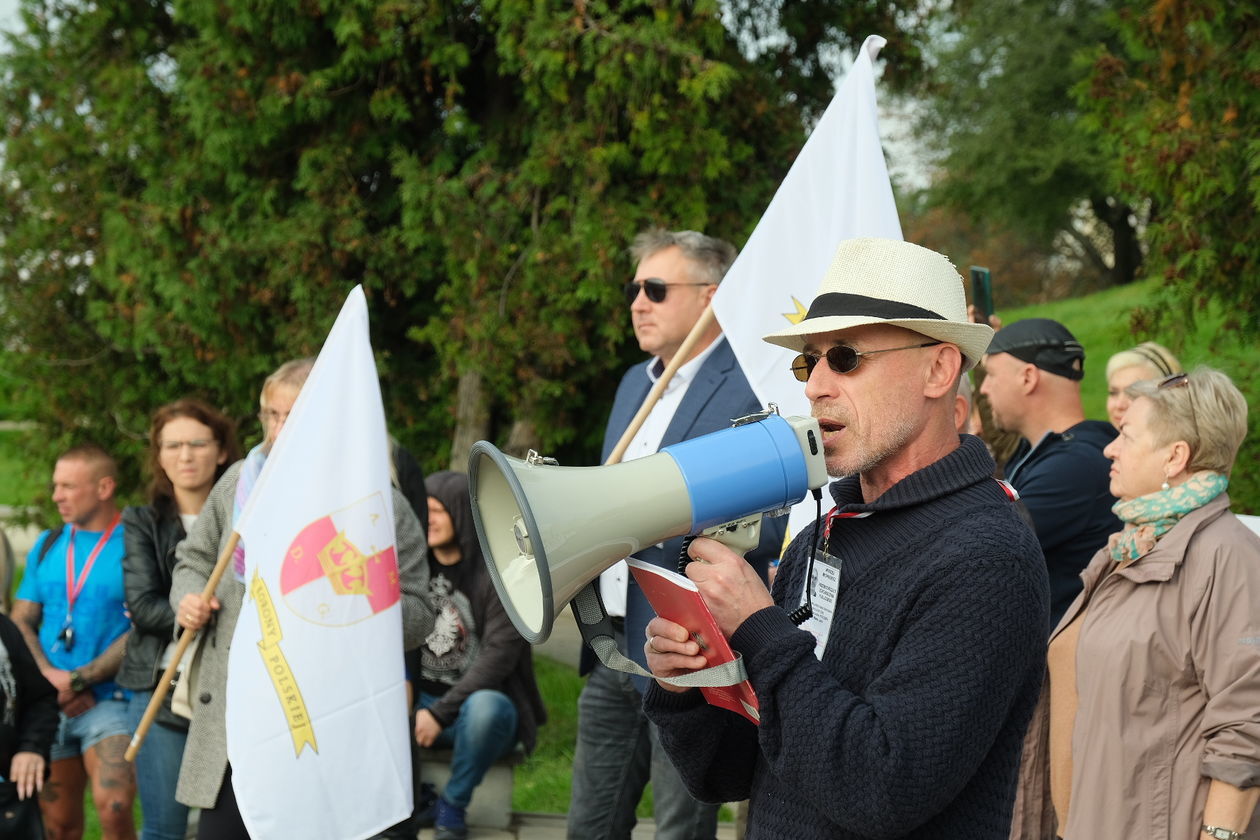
point(1101, 322)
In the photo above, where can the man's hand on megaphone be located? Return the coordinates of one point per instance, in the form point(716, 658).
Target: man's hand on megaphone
point(670, 651)
point(730, 587)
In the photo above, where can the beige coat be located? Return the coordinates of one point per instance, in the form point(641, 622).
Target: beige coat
point(1168, 688)
point(205, 754)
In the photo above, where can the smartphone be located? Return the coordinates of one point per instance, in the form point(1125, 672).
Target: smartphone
point(982, 292)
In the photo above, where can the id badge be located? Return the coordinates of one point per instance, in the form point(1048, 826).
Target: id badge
point(825, 589)
point(66, 637)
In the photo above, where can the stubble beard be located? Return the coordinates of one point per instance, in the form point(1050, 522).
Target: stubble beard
point(870, 454)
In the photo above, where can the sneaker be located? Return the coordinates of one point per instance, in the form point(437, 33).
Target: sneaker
point(448, 823)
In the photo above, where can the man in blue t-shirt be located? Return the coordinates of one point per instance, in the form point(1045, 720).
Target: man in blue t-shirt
point(70, 609)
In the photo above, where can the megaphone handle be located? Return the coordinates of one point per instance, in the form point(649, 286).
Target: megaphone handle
point(596, 629)
point(742, 535)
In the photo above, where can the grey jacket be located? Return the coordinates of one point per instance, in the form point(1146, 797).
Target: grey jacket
point(205, 755)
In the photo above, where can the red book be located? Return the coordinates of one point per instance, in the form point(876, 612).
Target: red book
point(676, 598)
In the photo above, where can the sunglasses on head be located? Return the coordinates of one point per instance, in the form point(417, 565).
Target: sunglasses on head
point(654, 287)
point(843, 359)
point(1181, 380)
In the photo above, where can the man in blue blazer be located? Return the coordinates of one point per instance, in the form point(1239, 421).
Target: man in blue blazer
point(618, 751)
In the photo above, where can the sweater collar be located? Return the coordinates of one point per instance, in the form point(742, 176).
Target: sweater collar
point(969, 464)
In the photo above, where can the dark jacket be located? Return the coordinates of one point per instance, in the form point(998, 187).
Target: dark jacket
point(1065, 483)
point(31, 724)
point(150, 535)
point(718, 394)
point(504, 660)
point(910, 725)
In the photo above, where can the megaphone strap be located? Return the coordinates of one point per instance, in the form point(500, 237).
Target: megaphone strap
point(596, 630)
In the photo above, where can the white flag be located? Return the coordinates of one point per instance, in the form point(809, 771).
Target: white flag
point(316, 702)
point(837, 189)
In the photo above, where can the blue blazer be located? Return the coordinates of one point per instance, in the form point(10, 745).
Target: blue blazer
point(719, 393)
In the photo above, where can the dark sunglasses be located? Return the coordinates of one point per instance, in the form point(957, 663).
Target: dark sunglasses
point(654, 287)
point(843, 358)
point(1179, 380)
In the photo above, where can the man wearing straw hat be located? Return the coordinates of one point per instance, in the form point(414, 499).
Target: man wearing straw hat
point(617, 752)
point(897, 709)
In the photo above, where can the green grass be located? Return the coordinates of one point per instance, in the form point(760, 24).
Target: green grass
point(544, 781)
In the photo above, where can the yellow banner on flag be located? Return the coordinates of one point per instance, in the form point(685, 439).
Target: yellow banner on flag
point(278, 667)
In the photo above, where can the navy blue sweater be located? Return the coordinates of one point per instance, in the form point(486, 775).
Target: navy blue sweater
point(911, 724)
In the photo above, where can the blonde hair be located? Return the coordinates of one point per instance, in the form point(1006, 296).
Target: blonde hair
point(1208, 412)
point(1154, 357)
point(291, 374)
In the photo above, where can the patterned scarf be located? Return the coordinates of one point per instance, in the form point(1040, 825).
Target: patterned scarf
point(245, 481)
point(1149, 517)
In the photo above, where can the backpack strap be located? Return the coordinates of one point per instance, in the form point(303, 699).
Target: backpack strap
point(52, 537)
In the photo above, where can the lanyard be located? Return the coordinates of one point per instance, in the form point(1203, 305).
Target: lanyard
point(836, 514)
point(75, 587)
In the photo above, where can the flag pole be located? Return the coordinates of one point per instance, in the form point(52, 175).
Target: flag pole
point(185, 639)
point(654, 396)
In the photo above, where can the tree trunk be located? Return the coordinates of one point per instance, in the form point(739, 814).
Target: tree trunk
point(472, 418)
point(522, 438)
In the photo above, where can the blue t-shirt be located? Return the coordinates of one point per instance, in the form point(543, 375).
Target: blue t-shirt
point(100, 614)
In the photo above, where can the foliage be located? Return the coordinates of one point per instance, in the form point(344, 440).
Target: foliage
point(1011, 147)
point(1176, 103)
point(190, 189)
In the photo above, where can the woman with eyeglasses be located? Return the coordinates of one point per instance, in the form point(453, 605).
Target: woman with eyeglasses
point(1149, 721)
point(190, 446)
point(1147, 360)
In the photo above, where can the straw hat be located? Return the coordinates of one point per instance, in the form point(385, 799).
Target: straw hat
point(886, 281)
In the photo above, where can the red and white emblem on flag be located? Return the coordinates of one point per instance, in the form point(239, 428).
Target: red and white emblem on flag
point(343, 568)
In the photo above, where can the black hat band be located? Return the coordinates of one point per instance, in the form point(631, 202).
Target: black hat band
point(845, 305)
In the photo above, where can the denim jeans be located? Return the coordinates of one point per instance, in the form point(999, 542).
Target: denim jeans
point(157, 772)
point(484, 732)
point(618, 751)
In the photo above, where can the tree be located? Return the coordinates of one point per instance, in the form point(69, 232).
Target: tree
point(1012, 147)
point(190, 189)
point(1176, 103)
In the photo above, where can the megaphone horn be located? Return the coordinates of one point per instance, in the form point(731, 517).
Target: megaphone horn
point(546, 530)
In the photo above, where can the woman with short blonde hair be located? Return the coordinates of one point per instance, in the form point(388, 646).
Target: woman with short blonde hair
point(1149, 721)
point(1148, 360)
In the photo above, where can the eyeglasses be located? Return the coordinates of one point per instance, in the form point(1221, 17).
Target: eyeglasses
point(176, 445)
point(1179, 380)
point(267, 416)
point(843, 358)
point(654, 287)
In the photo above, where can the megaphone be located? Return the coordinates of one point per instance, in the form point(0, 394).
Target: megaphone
point(546, 530)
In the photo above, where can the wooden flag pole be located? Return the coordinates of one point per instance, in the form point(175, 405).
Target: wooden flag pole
point(185, 639)
point(654, 396)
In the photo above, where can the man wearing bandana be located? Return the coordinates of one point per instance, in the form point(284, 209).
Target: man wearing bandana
point(1033, 371)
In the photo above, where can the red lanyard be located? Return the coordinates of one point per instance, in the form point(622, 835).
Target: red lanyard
point(836, 514)
point(74, 587)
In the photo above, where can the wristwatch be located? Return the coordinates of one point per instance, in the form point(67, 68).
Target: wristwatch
point(1221, 833)
point(77, 683)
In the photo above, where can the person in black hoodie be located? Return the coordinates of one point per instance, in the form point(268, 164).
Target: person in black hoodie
point(190, 446)
point(474, 674)
point(1033, 371)
point(28, 724)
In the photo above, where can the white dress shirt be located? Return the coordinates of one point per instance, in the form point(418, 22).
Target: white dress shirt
point(612, 583)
